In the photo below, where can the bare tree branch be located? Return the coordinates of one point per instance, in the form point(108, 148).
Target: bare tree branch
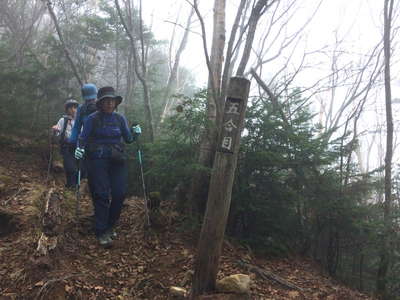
point(140, 73)
point(60, 36)
point(254, 18)
point(174, 70)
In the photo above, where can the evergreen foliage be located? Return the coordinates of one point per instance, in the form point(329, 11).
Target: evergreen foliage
point(290, 195)
point(32, 94)
point(173, 155)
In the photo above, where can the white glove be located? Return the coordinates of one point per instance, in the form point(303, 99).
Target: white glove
point(79, 152)
point(136, 129)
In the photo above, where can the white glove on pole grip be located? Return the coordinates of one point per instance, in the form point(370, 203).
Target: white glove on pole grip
point(79, 152)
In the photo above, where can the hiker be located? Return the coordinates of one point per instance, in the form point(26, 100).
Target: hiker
point(101, 143)
point(62, 130)
point(89, 95)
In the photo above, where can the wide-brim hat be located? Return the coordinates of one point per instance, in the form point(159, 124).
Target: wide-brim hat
point(107, 92)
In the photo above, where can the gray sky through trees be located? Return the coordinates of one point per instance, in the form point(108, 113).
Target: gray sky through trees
point(356, 21)
point(351, 28)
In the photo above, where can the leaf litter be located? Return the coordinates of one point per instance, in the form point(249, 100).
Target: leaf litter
point(143, 264)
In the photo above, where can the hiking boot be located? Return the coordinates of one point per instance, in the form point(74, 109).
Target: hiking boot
point(112, 234)
point(105, 240)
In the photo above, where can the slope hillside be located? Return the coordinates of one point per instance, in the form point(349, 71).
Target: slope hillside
point(143, 264)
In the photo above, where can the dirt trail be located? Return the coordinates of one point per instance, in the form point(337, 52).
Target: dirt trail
point(141, 265)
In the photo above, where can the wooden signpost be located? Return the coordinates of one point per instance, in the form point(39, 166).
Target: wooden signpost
point(219, 195)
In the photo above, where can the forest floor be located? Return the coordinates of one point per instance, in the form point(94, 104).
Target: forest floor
point(142, 264)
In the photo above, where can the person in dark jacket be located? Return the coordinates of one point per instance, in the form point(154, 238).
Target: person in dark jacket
point(89, 95)
point(101, 141)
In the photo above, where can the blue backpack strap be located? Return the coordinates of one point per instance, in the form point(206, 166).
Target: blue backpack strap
point(121, 120)
point(97, 121)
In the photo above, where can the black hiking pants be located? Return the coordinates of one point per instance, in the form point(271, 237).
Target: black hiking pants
point(108, 183)
point(70, 165)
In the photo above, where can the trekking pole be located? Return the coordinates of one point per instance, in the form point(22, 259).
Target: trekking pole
point(49, 165)
point(78, 187)
point(146, 209)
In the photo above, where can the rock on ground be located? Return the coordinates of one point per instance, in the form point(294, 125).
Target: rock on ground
point(238, 283)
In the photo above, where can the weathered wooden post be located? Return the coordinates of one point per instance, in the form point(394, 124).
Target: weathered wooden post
point(219, 194)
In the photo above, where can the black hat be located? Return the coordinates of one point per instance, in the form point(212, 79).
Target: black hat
point(107, 92)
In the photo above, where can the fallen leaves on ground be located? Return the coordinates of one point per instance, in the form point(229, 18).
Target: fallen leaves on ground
point(143, 264)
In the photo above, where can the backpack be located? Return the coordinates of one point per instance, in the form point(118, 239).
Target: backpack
point(87, 109)
point(60, 138)
point(98, 122)
point(64, 129)
point(118, 154)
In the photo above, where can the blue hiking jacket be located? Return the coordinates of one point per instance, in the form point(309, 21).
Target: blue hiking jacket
point(101, 131)
point(80, 119)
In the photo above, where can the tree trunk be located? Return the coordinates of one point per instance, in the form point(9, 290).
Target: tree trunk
point(117, 62)
point(361, 279)
point(216, 97)
point(381, 284)
point(200, 180)
point(130, 82)
point(148, 109)
point(219, 195)
point(229, 60)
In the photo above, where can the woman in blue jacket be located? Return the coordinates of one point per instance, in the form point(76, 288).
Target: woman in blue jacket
point(101, 141)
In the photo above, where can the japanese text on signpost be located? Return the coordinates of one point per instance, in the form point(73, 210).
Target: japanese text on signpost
point(230, 125)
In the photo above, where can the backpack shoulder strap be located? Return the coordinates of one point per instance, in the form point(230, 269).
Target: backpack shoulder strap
point(64, 129)
point(83, 109)
point(87, 109)
point(120, 120)
point(97, 121)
